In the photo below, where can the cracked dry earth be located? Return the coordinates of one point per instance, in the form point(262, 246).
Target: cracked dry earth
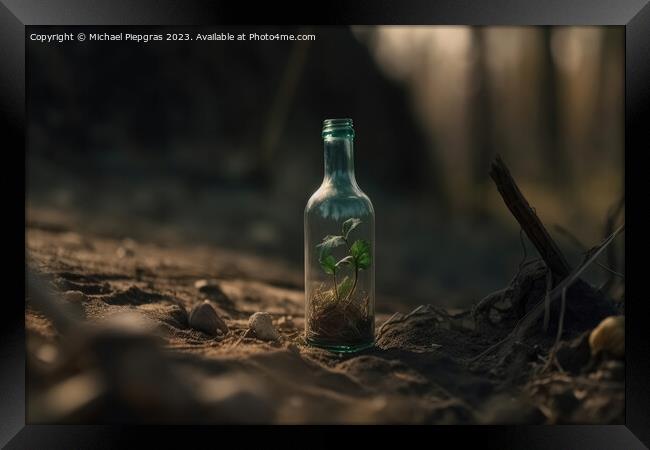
point(109, 370)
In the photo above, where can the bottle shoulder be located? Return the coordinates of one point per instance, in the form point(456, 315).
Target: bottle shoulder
point(337, 203)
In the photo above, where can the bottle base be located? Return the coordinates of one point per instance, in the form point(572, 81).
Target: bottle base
point(353, 348)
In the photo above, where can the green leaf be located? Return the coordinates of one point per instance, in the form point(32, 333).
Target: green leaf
point(360, 251)
point(325, 258)
point(350, 225)
point(328, 263)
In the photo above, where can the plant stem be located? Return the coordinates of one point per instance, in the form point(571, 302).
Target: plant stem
point(356, 274)
point(354, 285)
point(336, 288)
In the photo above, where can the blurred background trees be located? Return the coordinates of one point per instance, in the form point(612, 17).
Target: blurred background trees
point(549, 99)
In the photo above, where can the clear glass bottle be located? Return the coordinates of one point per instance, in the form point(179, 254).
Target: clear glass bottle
point(339, 251)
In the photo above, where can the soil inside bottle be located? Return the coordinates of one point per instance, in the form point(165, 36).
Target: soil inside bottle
point(340, 323)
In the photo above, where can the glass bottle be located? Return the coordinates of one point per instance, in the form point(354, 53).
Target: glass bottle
point(339, 251)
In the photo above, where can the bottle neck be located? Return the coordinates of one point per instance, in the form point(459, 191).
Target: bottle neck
point(339, 161)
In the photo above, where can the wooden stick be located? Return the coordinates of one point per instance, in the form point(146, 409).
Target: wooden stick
point(528, 220)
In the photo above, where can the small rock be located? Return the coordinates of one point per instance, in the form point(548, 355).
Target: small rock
point(74, 296)
point(262, 325)
point(609, 337)
point(203, 317)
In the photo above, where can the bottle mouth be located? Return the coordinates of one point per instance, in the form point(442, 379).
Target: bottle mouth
point(338, 128)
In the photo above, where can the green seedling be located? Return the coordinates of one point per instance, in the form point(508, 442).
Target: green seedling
point(359, 258)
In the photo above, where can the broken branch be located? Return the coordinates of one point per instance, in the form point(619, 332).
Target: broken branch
point(528, 220)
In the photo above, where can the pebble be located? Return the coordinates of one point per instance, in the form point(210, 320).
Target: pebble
point(204, 317)
point(262, 325)
point(74, 296)
point(609, 337)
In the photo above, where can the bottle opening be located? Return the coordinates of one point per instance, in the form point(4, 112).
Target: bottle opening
point(338, 128)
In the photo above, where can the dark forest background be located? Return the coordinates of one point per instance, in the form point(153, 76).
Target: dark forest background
point(219, 142)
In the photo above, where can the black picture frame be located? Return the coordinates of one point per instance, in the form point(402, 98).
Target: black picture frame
point(15, 15)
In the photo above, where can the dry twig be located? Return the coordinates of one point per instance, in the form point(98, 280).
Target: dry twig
point(528, 220)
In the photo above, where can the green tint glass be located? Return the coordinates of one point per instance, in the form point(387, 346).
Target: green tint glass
point(339, 251)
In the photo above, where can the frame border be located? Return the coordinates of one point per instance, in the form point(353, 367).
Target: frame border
point(15, 15)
